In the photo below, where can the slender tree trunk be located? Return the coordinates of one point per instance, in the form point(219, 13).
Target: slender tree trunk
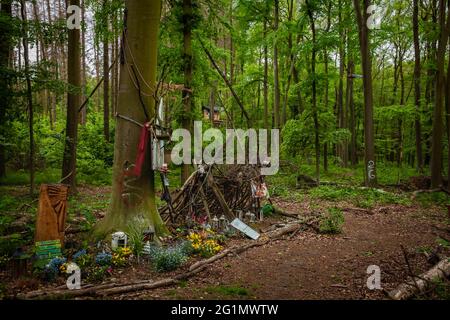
point(436, 144)
point(187, 94)
point(447, 118)
point(431, 54)
point(266, 81)
point(417, 122)
point(351, 108)
point(369, 145)
point(276, 81)
point(29, 91)
point(314, 90)
point(73, 103)
point(291, 65)
point(5, 83)
point(342, 149)
point(106, 77)
point(135, 196)
point(83, 115)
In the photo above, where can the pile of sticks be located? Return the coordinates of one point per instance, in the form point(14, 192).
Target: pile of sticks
point(212, 191)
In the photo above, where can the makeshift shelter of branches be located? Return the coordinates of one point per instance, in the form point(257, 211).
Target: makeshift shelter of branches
point(212, 191)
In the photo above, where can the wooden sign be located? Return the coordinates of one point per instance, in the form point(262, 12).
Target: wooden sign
point(52, 212)
point(241, 226)
point(47, 250)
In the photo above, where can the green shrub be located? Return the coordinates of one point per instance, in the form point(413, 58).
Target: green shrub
point(168, 259)
point(9, 244)
point(98, 273)
point(361, 197)
point(135, 232)
point(332, 221)
point(7, 203)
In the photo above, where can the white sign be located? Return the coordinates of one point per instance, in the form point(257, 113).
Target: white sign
point(74, 280)
point(241, 226)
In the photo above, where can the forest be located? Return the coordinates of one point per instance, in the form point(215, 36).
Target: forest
point(104, 194)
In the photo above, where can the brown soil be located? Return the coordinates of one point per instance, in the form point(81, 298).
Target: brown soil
point(313, 266)
point(307, 265)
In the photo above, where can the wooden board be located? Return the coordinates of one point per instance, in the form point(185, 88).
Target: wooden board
point(52, 212)
point(47, 250)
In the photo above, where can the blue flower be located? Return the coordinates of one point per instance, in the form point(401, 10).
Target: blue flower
point(103, 259)
point(79, 254)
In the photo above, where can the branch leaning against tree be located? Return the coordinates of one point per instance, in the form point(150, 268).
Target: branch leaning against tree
point(229, 85)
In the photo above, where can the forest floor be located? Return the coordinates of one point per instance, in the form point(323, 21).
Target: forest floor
point(305, 265)
point(315, 266)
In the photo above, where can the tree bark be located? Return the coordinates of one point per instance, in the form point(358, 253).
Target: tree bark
point(83, 116)
point(105, 75)
point(314, 90)
point(266, 81)
point(342, 146)
point(417, 123)
point(187, 92)
point(369, 150)
point(276, 81)
point(135, 196)
point(436, 144)
point(73, 103)
point(23, 11)
point(5, 51)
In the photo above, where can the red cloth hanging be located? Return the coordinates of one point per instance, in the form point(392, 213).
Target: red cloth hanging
point(142, 148)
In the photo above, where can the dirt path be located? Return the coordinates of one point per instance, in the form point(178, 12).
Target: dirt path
point(312, 266)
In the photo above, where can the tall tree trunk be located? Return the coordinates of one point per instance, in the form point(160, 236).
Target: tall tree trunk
point(135, 196)
point(23, 11)
point(83, 115)
point(431, 53)
point(447, 118)
point(106, 76)
point(266, 80)
point(314, 90)
point(276, 81)
point(436, 144)
point(73, 103)
point(351, 109)
point(41, 54)
point(342, 147)
point(369, 144)
point(291, 65)
point(187, 94)
point(5, 52)
point(417, 123)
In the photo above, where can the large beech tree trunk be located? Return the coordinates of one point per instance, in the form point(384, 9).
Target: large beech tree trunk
point(135, 196)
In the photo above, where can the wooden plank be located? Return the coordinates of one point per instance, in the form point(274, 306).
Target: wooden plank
point(52, 213)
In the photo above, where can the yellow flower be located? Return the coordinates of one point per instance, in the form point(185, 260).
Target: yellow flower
point(63, 268)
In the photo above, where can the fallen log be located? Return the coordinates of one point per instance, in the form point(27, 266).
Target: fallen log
point(137, 287)
point(277, 210)
point(419, 284)
point(210, 260)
